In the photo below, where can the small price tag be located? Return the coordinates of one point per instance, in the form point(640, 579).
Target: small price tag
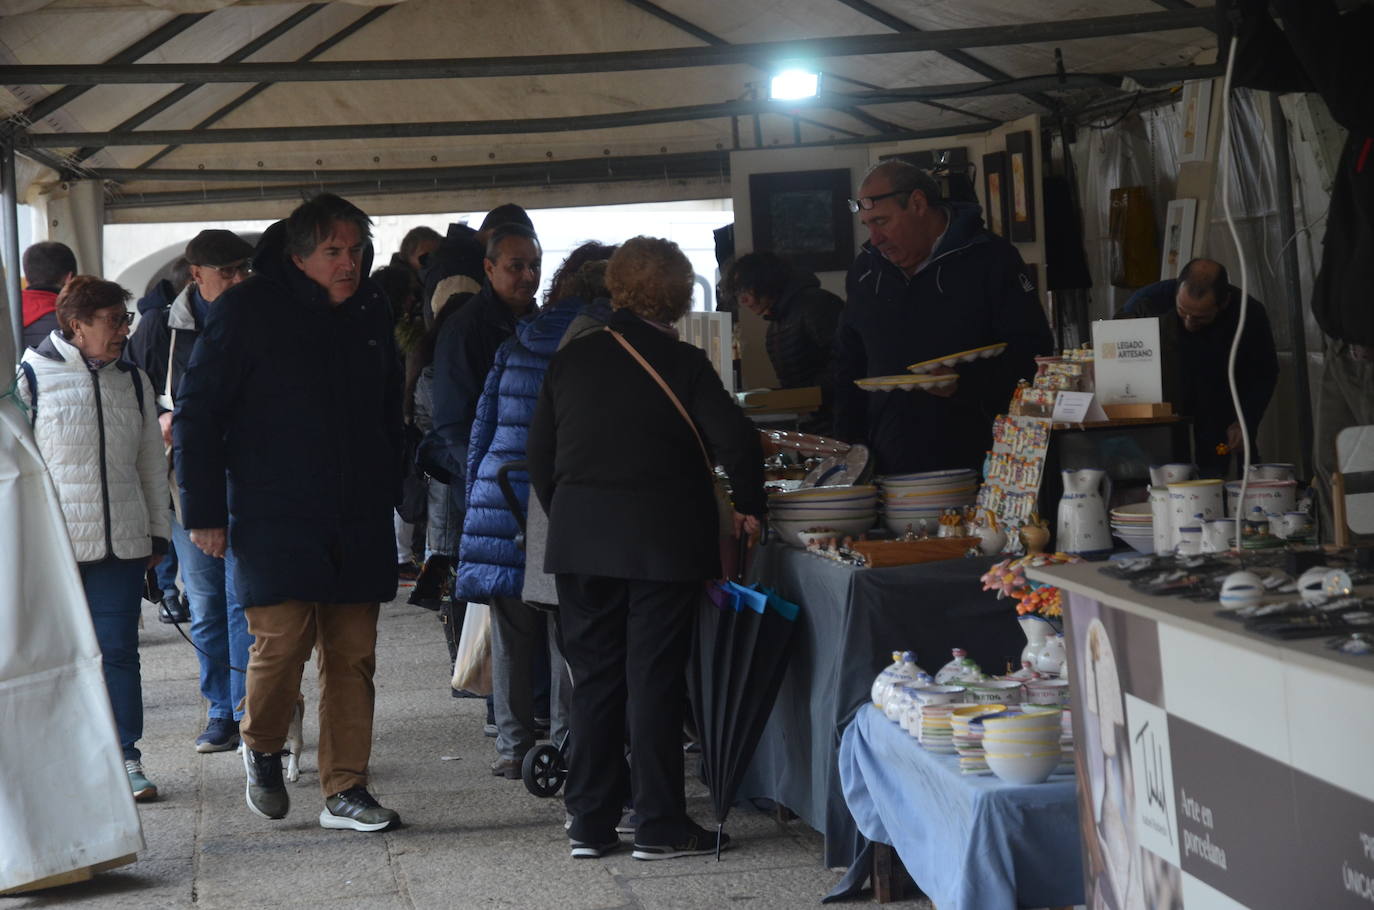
point(1076, 407)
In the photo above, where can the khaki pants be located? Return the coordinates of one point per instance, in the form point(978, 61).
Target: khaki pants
point(346, 638)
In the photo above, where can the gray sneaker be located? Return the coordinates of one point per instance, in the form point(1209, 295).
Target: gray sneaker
point(354, 809)
point(144, 789)
point(265, 792)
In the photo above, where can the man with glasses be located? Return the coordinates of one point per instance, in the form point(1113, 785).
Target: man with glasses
point(931, 281)
point(1205, 309)
point(162, 346)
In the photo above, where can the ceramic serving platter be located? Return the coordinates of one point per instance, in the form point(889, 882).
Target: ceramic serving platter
point(951, 360)
point(906, 382)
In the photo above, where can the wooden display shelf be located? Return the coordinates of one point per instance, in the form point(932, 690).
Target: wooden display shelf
point(880, 554)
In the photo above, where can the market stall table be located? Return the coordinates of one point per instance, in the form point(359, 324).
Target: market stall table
point(1218, 766)
point(851, 621)
point(969, 841)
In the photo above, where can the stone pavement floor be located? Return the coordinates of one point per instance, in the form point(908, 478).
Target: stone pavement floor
point(467, 839)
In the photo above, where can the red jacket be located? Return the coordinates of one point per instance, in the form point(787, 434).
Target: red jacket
point(37, 304)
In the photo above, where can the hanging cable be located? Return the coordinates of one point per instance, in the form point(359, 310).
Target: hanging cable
point(1224, 175)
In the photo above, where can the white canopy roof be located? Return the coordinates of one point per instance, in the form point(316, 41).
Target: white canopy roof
point(592, 100)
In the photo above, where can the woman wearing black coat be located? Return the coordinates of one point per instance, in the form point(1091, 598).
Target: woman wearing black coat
point(633, 533)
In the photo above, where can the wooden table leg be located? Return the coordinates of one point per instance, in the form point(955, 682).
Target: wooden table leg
point(888, 875)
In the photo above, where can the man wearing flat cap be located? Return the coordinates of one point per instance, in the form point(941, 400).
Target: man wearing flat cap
point(162, 348)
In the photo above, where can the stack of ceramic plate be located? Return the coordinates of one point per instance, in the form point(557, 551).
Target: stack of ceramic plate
point(935, 733)
point(917, 500)
point(848, 511)
point(1135, 526)
point(968, 738)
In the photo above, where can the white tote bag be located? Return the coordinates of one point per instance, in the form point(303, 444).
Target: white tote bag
point(472, 669)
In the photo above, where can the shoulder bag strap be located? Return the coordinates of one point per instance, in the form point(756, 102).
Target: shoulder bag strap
point(667, 391)
point(33, 390)
point(171, 353)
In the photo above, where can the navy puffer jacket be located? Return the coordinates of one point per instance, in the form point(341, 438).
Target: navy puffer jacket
point(490, 562)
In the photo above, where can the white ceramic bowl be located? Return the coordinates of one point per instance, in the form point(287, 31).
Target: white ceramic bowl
point(788, 530)
point(1026, 768)
point(989, 691)
point(939, 695)
point(1047, 692)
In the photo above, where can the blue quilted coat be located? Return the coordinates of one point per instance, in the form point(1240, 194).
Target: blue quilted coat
point(489, 562)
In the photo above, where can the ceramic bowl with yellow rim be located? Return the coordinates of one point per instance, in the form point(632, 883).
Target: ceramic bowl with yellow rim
point(950, 360)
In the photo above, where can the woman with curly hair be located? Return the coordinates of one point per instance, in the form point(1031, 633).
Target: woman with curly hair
point(633, 533)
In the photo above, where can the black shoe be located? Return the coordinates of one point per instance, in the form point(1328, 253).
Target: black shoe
point(408, 570)
point(265, 792)
point(173, 609)
point(587, 850)
point(354, 809)
point(432, 584)
point(698, 842)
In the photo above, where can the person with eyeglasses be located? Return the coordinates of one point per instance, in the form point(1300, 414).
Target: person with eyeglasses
point(96, 427)
point(162, 347)
point(931, 281)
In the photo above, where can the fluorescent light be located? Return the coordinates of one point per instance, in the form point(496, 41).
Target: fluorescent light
point(794, 85)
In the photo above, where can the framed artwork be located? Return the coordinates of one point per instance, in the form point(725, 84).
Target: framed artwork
point(1178, 236)
point(1197, 110)
point(1021, 165)
point(995, 192)
point(804, 216)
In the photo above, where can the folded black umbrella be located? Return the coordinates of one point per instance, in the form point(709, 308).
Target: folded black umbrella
point(742, 643)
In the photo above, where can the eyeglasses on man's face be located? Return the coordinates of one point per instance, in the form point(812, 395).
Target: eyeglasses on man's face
point(865, 203)
point(227, 272)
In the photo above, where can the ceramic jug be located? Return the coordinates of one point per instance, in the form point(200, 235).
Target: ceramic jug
point(1052, 655)
point(1037, 630)
point(1083, 524)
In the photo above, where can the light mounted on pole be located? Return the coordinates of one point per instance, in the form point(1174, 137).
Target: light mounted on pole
point(794, 84)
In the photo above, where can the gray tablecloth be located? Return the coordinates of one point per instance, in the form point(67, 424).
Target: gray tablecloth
point(851, 621)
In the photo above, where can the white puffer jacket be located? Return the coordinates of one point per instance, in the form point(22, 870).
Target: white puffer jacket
point(105, 455)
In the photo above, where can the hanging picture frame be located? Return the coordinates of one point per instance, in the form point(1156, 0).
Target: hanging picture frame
point(1197, 111)
point(1021, 199)
point(804, 217)
point(1178, 236)
point(995, 192)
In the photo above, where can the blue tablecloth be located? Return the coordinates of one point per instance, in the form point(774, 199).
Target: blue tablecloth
point(969, 842)
point(851, 621)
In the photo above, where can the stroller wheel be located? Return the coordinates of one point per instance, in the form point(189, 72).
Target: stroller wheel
point(543, 771)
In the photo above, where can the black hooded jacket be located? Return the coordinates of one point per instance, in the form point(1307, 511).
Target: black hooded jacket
point(288, 431)
point(458, 254)
point(974, 291)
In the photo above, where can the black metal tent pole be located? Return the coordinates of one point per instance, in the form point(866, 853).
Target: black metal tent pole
point(1302, 388)
point(763, 53)
point(10, 217)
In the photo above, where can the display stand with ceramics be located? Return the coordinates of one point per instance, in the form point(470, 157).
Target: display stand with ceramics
point(1014, 469)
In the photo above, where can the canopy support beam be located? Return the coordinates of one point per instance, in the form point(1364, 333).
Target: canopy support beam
point(597, 121)
point(1297, 331)
point(760, 54)
point(10, 216)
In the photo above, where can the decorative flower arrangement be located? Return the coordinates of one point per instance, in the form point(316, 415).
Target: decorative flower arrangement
point(1008, 579)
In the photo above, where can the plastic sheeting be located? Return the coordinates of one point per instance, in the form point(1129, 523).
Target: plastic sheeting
point(66, 804)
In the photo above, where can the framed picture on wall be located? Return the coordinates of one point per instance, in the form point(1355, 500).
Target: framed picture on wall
point(1021, 201)
point(804, 216)
point(1178, 236)
point(995, 192)
point(1197, 111)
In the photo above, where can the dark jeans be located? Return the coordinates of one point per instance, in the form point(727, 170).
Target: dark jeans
point(627, 644)
point(114, 593)
point(166, 573)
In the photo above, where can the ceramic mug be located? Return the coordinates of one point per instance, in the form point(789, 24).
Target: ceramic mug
point(1191, 497)
point(1189, 541)
point(1162, 475)
point(1294, 525)
point(1218, 535)
point(1163, 525)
